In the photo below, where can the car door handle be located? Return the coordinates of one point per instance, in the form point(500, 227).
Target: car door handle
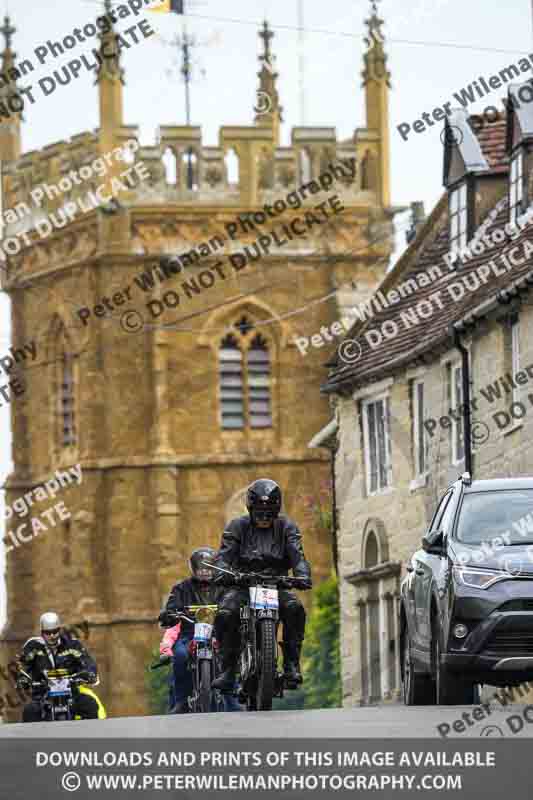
point(419, 571)
point(409, 568)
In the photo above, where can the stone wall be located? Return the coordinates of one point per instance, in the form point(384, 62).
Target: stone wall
point(404, 510)
point(158, 472)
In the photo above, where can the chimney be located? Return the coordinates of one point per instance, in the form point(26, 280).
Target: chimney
point(418, 217)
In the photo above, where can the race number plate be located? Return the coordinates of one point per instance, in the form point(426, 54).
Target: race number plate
point(59, 687)
point(202, 631)
point(262, 598)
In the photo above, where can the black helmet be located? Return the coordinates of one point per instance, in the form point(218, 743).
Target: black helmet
point(199, 570)
point(263, 500)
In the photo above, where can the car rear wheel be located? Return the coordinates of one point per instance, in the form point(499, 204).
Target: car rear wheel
point(418, 690)
point(451, 689)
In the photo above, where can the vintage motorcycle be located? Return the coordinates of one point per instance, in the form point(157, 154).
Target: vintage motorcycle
point(261, 680)
point(57, 700)
point(203, 658)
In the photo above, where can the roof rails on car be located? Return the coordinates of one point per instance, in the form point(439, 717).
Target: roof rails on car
point(466, 479)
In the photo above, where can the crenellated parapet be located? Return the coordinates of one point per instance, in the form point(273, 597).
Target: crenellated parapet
point(40, 180)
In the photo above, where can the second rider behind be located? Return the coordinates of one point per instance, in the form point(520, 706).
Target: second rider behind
point(261, 541)
point(199, 589)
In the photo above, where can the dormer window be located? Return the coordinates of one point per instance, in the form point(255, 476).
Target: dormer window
point(516, 187)
point(458, 218)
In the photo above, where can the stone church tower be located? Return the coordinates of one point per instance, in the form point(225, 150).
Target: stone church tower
point(174, 408)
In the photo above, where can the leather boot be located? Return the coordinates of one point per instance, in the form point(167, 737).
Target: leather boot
point(226, 680)
point(180, 708)
point(291, 664)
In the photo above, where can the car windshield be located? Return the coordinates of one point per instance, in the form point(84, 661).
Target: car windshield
point(484, 516)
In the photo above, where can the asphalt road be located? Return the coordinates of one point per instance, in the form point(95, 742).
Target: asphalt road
point(369, 722)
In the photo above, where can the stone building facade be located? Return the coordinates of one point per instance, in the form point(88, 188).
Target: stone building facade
point(399, 417)
point(172, 411)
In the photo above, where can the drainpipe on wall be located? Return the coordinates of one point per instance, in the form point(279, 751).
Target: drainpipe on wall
point(467, 427)
point(327, 438)
point(334, 512)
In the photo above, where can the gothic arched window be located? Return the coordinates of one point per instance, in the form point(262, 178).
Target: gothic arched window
point(260, 412)
point(170, 165)
point(67, 401)
point(231, 385)
point(189, 169)
point(305, 165)
point(371, 550)
point(244, 368)
point(231, 161)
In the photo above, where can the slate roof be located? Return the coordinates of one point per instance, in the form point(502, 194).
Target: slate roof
point(428, 250)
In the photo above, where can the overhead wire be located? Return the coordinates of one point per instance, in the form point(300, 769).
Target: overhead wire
point(392, 40)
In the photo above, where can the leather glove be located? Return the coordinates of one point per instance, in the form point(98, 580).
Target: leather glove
point(23, 683)
point(166, 619)
point(224, 580)
point(85, 677)
point(304, 584)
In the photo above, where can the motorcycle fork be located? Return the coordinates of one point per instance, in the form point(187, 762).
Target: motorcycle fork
point(248, 641)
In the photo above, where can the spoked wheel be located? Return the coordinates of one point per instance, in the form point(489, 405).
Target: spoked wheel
point(451, 689)
point(417, 690)
point(204, 689)
point(266, 678)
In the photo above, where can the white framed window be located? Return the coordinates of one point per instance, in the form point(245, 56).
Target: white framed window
point(420, 439)
point(458, 213)
point(515, 356)
point(377, 444)
point(455, 395)
point(516, 187)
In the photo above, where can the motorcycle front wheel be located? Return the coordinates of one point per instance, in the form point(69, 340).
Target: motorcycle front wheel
point(266, 678)
point(204, 689)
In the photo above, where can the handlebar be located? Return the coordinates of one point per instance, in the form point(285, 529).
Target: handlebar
point(283, 581)
point(176, 615)
point(75, 679)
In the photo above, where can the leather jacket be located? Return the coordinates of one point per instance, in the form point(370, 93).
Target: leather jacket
point(190, 593)
point(273, 550)
point(70, 654)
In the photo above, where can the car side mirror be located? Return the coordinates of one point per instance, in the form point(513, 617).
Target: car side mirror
point(433, 543)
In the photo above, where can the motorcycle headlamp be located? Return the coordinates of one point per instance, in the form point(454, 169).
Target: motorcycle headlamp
point(479, 578)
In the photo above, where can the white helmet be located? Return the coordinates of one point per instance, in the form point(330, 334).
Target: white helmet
point(50, 627)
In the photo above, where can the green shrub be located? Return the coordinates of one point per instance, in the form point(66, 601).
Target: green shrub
point(157, 684)
point(321, 651)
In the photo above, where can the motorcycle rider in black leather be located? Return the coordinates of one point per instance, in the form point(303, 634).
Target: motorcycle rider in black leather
point(55, 649)
point(199, 589)
point(261, 541)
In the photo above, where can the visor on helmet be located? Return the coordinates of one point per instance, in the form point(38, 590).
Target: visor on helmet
point(199, 563)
